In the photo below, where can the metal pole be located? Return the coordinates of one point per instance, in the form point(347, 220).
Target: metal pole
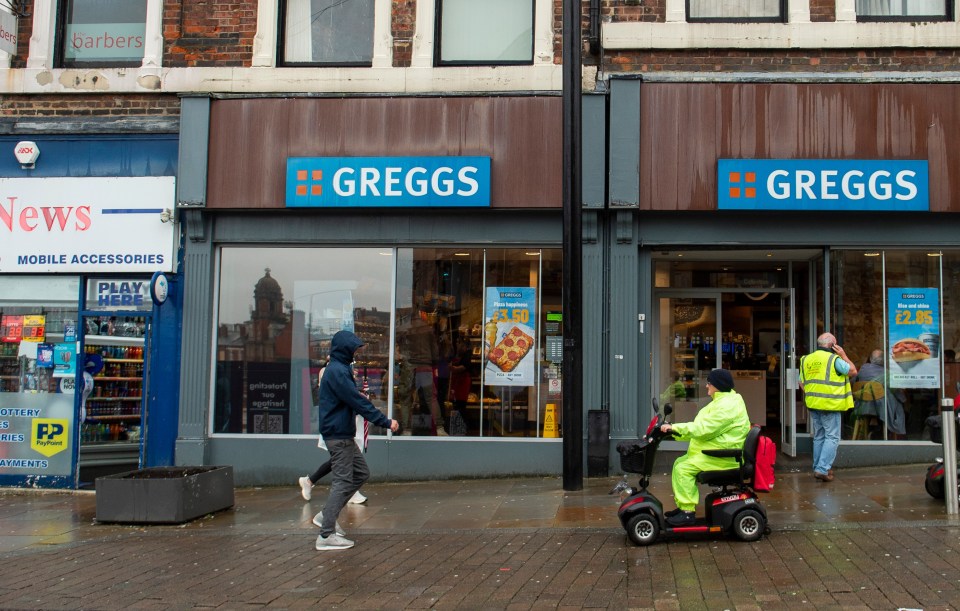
point(949, 456)
point(572, 264)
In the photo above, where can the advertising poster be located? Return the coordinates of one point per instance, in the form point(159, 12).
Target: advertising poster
point(509, 336)
point(268, 398)
point(34, 328)
point(914, 337)
point(64, 360)
point(11, 328)
point(36, 434)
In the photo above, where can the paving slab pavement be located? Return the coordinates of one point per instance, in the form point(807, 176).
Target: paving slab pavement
point(872, 539)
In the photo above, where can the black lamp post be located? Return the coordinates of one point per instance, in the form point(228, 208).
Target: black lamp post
point(572, 373)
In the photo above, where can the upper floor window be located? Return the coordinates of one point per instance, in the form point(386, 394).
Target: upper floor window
point(903, 10)
point(492, 32)
point(326, 32)
point(102, 33)
point(736, 10)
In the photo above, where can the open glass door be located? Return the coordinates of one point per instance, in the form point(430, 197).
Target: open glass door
point(788, 376)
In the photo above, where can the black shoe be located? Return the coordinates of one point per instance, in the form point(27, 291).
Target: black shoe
point(673, 512)
point(684, 518)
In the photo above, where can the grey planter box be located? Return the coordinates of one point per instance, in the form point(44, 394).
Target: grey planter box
point(164, 495)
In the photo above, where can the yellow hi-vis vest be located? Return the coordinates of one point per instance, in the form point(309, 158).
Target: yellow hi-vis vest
point(824, 388)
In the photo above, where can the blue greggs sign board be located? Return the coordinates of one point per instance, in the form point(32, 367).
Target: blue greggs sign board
point(823, 184)
point(351, 182)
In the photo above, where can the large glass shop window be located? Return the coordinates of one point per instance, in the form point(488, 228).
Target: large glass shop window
point(477, 336)
point(38, 344)
point(894, 313)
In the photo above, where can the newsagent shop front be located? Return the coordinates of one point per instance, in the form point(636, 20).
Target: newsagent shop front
point(81, 331)
point(752, 217)
point(428, 226)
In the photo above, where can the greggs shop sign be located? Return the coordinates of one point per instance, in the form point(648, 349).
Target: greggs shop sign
point(350, 182)
point(823, 184)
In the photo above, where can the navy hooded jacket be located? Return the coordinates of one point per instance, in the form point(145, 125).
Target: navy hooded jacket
point(339, 397)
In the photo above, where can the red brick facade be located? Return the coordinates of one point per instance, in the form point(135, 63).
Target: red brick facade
point(89, 105)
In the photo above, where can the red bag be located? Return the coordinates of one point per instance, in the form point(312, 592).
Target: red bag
point(763, 476)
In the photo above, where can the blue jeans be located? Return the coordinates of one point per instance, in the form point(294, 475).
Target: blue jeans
point(826, 439)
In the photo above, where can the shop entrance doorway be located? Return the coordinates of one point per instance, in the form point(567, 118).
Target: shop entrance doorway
point(113, 413)
point(714, 310)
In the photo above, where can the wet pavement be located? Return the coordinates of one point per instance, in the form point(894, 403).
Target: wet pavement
point(871, 539)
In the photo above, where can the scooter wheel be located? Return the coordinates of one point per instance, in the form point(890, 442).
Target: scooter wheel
point(749, 525)
point(643, 529)
point(934, 486)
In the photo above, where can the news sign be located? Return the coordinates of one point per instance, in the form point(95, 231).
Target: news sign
point(834, 185)
point(86, 225)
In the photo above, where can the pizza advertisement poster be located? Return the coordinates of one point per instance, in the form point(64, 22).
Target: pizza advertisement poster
point(913, 339)
point(509, 339)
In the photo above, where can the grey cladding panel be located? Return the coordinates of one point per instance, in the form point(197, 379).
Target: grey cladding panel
point(624, 142)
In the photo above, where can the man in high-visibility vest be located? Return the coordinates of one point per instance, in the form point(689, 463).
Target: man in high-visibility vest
point(825, 379)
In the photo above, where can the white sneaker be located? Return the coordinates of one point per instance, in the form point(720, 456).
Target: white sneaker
point(357, 498)
point(334, 541)
point(318, 522)
point(441, 432)
point(305, 487)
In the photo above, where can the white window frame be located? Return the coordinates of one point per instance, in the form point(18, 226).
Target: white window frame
point(43, 38)
point(267, 36)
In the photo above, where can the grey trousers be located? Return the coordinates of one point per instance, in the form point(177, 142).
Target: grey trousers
point(349, 473)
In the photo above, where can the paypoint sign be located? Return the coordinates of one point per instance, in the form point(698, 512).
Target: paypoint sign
point(49, 435)
point(339, 182)
point(823, 184)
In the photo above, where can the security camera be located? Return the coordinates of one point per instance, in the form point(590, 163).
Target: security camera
point(27, 153)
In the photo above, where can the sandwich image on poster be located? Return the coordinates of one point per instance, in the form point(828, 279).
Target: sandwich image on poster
point(508, 361)
point(909, 351)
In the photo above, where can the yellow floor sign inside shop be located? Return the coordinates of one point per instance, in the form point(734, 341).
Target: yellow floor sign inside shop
point(550, 421)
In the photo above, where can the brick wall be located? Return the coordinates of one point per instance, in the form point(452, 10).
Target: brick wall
point(24, 32)
point(403, 20)
point(823, 10)
point(102, 105)
point(807, 60)
point(208, 32)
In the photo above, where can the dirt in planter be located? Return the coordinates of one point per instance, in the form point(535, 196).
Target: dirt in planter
point(166, 472)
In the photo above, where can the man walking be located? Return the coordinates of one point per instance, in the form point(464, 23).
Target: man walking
point(825, 379)
point(339, 401)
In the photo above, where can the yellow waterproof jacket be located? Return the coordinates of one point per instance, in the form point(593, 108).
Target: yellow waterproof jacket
point(823, 388)
point(722, 424)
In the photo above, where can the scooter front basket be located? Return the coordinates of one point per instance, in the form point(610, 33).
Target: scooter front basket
point(633, 455)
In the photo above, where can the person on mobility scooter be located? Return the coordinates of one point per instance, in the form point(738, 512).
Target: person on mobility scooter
point(733, 505)
point(722, 424)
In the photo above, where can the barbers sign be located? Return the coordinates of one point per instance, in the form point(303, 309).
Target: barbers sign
point(8, 32)
point(823, 184)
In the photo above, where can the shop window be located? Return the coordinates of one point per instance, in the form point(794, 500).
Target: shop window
point(477, 337)
point(102, 33)
point(327, 33)
point(887, 314)
point(494, 32)
point(736, 10)
point(903, 10)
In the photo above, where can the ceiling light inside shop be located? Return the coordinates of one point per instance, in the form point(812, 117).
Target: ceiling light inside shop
point(871, 254)
point(934, 254)
point(461, 254)
point(386, 254)
point(532, 254)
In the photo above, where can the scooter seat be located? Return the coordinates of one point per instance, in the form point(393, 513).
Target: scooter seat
point(727, 477)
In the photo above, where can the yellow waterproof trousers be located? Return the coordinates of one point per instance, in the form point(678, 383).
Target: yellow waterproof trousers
point(686, 493)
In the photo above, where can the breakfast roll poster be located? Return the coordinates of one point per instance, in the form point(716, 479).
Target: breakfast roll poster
point(509, 338)
point(914, 337)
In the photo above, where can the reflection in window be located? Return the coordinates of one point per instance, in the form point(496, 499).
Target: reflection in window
point(103, 32)
point(735, 10)
point(490, 32)
point(454, 308)
point(903, 9)
point(329, 32)
point(276, 319)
